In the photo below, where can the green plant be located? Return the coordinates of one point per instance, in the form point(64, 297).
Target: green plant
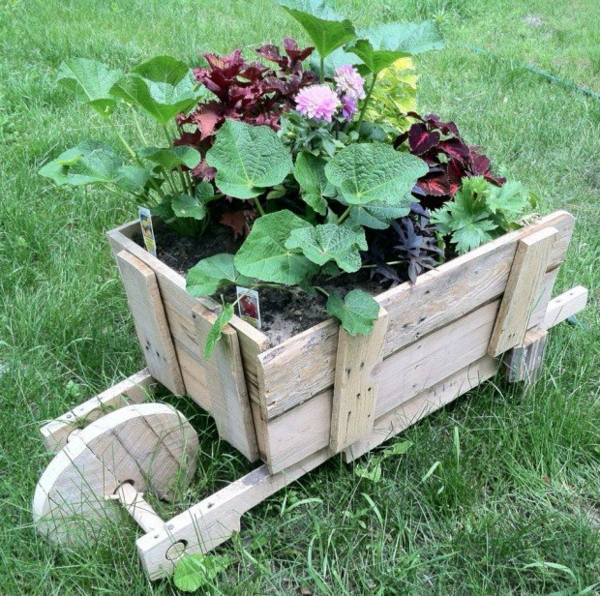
point(198, 571)
point(480, 212)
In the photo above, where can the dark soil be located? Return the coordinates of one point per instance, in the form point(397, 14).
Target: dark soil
point(284, 312)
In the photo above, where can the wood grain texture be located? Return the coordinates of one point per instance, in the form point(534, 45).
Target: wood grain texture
point(304, 365)
point(522, 289)
point(151, 324)
point(354, 390)
point(150, 445)
point(229, 403)
point(133, 389)
point(213, 520)
point(524, 362)
point(565, 305)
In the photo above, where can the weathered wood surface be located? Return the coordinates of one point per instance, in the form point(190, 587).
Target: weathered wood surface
point(150, 445)
point(425, 368)
point(133, 389)
point(212, 521)
point(140, 510)
point(566, 305)
point(150, 321)
point(524, 362)
point(522, 290)
point(229, 403)
point(304, 365)
point(354, 390)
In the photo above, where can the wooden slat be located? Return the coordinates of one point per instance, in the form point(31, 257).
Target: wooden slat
point(410, 412)
point(524, 362)
point(229, 403)
point(133, 389)
point(566, 305)
point(304, 365)
point(354, 392)
point(213, 520)
point(150, 321)
point(522, 289)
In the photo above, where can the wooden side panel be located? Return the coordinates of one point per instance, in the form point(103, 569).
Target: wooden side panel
point(354, 391)
point(522, 289)
point(150, 321)
point(304, 365)
point(229, 403)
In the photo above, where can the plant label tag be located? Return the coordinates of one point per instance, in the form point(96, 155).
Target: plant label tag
point(249, 306)
point(147, 230)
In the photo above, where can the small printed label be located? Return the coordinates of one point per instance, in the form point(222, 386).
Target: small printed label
point(147, 230)
point(249, 306)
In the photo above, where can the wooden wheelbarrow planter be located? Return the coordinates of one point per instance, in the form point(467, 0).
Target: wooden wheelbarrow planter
point(322, 391)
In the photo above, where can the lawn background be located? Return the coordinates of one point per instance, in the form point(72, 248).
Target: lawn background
point(514, 502)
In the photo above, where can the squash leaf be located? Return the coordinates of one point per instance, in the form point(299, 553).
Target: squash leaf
point(330, 242)
point(216, 331)
point(324, 26)
point(356, 312)
point(374, 172)
point(248, 159)
point(264, 254)
point(91, 82)
point(184, 205)
point(309, 172)
point(208, 275)
point(172, 157)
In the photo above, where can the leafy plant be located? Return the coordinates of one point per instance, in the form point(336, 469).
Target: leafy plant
point(449, 158)
point(480, 212)
point(197, 571)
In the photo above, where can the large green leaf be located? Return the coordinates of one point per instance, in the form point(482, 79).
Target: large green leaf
point(91, 82)
point(356, 312)
point(309, 172)
point(264, 255)
point(374, 172)
point(172, 157)
point(330, 242)
point(379, 215)
point(248, 159)
point(162, 101)
point(132, 178)
point(325, 27)
point(162, 69)
point(87, 163)
point(380, 46)
point(209, 274)
point(184, 205)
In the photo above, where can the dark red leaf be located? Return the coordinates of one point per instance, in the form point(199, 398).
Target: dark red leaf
point(239, 221)
point(421, 140)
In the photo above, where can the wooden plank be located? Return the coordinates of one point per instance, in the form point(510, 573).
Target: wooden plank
point(430, 400)
point(355, 393)
point(402, 378)
point(524, 362)
point(150, 321)
point(133, 389)
point(230, 405)
point(522, 289)
point(213, 520)
point(304, 365)
point(566, 305)
point(140, 510)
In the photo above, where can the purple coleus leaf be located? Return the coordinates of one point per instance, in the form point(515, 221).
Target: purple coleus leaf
point(421, 140)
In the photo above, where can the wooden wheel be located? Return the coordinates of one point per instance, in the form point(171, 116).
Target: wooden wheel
point(149, 446)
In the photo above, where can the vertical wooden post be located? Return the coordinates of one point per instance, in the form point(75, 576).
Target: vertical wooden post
point(522, 289)
point(150, 321)
point(354, 391)
point(524, 362)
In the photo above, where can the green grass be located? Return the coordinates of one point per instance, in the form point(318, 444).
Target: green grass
point(513, 506)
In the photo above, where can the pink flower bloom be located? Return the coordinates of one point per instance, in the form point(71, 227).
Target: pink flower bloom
point(349, 82)
point(349, 105)
point(317, 101)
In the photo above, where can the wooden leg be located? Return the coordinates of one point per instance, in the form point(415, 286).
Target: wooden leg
point(213, 520)
point(524, 362)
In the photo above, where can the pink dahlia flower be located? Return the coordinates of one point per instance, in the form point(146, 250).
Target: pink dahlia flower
point(349, 106)
point(317, 101)
point(349, 82)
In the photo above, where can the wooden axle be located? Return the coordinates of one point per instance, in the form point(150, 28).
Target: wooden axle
point(140, 510)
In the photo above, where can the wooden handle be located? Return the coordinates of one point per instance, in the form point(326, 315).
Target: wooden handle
point(141, 511)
